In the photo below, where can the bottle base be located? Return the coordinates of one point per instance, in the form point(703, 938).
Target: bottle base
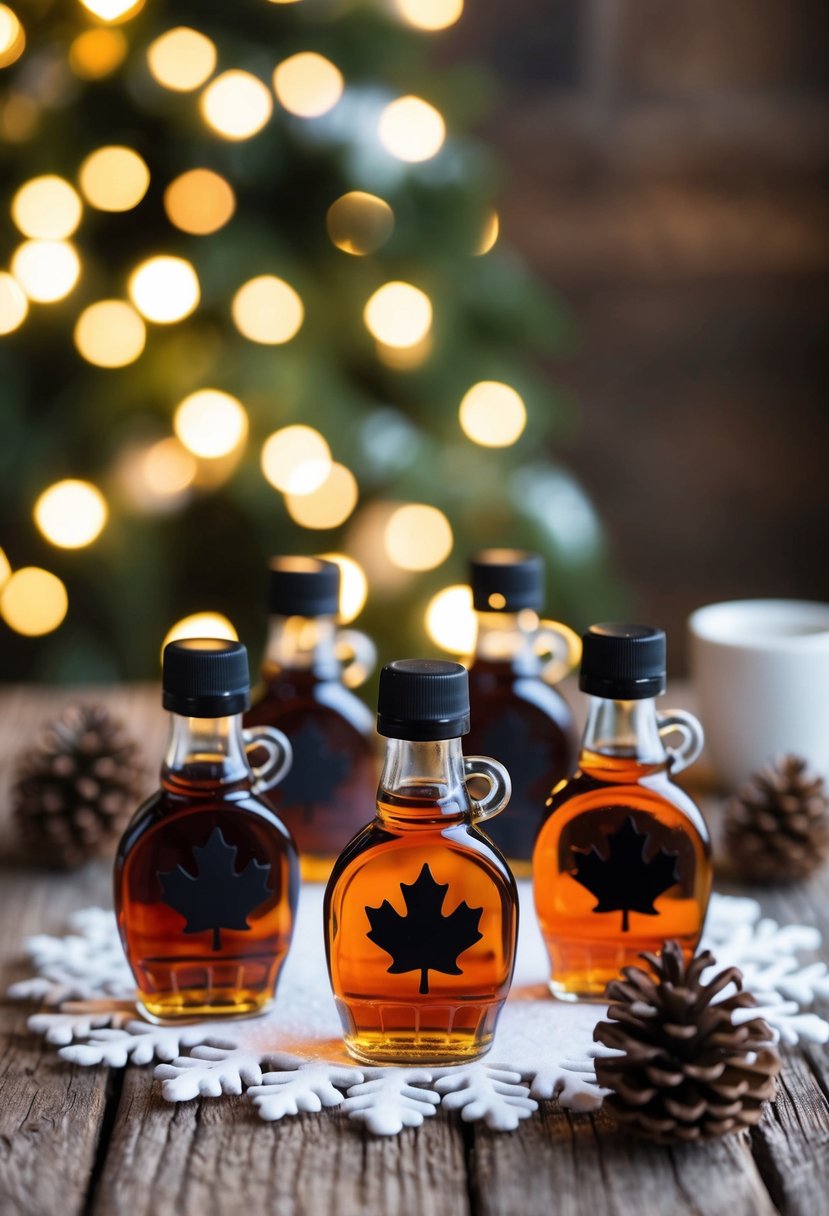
point(385, 1033)
point(413, 1049)
point(593, 994)
point(166, 1009)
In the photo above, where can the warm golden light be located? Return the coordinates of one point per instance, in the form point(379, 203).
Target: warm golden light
point(353, 586)
point(236, 105)
point(493, 414)
point(268, 310)
point(5, 569)
point(110, 333)
point(46, 270)
point(97, 53)
point(450, 619)
point(33, 601)
point(114, 178)
point(19, 117)
point(201, 625)
point(182, 59)
point(418, 537)
point(296, 460)
point(430, 14)
point(405, 358)
point(211, 423)
point(13, 304)
point(164, 289)
point(113, 10)
point(359, 223)
point(398, 314)
point(71, 514)
point(47, 208)
point(168, 468)
point(489, 236)
point(12, 36)
point(329, 505)
point(411, 129)
point(199, 201)
point(308, 84)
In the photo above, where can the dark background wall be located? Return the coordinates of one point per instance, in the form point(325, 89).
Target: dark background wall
point(666, 172)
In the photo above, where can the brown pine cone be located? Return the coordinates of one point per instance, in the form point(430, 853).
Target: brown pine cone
point(777, 825)
point(686, 1072)
point(74, 790)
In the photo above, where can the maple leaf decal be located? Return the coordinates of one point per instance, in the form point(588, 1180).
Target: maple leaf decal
point(216, 897)
point(624, 881)
point(424, 939)
point(315, 774)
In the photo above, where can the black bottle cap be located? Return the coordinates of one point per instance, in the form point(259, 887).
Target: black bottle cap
point(205, 677)
point(303, 586)
point(423, 699)
point(506, 580)
point(623, 662)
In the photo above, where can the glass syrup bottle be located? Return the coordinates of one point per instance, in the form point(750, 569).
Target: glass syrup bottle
point(303, 693)
point(623, 861)
point(517, 716)
point(206, 875)
point(421, 910)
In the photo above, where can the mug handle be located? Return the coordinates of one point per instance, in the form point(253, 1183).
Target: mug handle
point(563, 643)
point(693, 737)
point(279, 759)
point(358, 656)
point(500, 786)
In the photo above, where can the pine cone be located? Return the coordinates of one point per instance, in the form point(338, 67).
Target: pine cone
point(777, 826)
point(74, 790)
point(686, 1072)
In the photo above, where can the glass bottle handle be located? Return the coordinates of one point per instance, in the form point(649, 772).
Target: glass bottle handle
point(357, 654)
point(563, 644)
point(500, 786)
point(279, 760)
point(685, 724)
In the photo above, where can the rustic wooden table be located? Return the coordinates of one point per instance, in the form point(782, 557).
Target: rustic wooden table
point(99, 1142)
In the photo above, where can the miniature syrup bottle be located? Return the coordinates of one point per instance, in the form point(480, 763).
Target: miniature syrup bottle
point(517, 716)
point(334, 773)
point(421, 910)
point(622, 862)
point(206, 875)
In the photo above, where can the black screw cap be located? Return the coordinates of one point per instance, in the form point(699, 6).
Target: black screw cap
point(303, 586)
point(506, 580)
point(423, 699)
point(623, 662)
point(205, 677)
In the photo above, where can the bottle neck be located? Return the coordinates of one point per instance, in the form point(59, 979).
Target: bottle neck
point(508, 638)
point(302, 643)
point(204, 754)
point(423, 781)
point(622, 737)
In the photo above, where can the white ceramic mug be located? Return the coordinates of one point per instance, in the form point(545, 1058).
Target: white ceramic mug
point(761, 676)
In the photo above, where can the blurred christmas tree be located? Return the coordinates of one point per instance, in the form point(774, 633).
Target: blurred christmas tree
point(251, 307)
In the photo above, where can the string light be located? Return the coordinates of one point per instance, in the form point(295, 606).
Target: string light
point(308, 84)
point(398, 314)
point(353, 586)
point(114, 178)
point(199, 201)
point(450, 620)
point(164, 289)
point(489, 236)
point(493, 414)
point(71, 514)
point(47, 208)
point(113, 10)
point(329, 505)
point(201, 625)
point(411, 129)
point(430, 14)
point(236, 105)
point(13, 303)
point(12, 36)
point(97, 53)
point(296, 460)
point(267, 310)
point(418, 537)
point(110, 334)
point(359, 223)
point(211, 423)
point(33, 601)
point(46, 270)
point(182, 59)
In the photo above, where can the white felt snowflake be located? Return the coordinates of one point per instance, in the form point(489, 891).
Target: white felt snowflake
point(308, 1087)
point(390, 1099)
point(488, 1092)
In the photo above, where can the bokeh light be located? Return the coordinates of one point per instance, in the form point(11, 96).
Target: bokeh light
point(430, 14)
point(47, 208)
point(114, 178)
point(405, 358)
point(5, 568)
point(296, 459)
point(182, 59)
point(110, 333)
point(411, 129)
point(113, 10)
point(359, 223)
point(201, 625)
point(450, 620)
point(164, 289)
point(492, 414)
point(353, 586)
point(236, 105)
point(12, 36)
point(330, 504)
point(492, 227)
point(199, 201)
point(167, 468)
point(211, 423)
point(418, 537)
point(267, 310)
point(13, 303)
point(71, 514)
point(95, 54)
point(46, 270)
point(398, 314)
point(19, 116)
point(308, 84)
point(33, 601)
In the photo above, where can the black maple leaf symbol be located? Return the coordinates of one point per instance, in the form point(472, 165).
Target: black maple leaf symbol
point(624, 881)
point(315, 773)
point(424, 940)
point(216, 897)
